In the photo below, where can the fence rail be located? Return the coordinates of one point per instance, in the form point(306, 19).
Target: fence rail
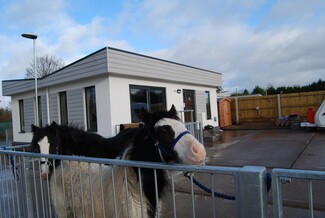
point(25, 194)
point(283, 176)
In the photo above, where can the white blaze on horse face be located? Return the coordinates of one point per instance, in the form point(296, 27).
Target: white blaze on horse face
point(188, 148)
point(44, 149)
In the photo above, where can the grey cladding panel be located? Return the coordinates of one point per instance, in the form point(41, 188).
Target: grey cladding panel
point(44, 110)
point(16, 86)
point(92, 65)
point(124, 63)
point(75, 107)
point(54, 114)
point(200, 101)
point(29, 113)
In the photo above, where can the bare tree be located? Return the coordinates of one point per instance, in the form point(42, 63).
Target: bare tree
point(45, 65)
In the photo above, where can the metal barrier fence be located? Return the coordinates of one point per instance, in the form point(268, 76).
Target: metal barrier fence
point(196, 129)
point(25, 194)
point(284, 176)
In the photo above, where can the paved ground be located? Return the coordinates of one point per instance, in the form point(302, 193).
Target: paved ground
point(269, 146)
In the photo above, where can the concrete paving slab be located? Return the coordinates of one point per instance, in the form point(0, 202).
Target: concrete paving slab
point(269, 148)
point(313, 157)
point(272, 148)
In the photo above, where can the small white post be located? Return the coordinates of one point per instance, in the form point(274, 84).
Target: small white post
point(279, 106)
point(48, 105)
point(237, 111)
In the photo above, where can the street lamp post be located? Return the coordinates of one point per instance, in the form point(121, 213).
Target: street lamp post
point(34, 37)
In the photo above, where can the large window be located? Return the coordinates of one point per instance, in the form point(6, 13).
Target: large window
point(91, 114)
point(208, 105)
point(148, 98)
point(21, 115)
point(63, 108)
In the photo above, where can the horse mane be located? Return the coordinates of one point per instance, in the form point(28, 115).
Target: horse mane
point(71, 139)
point(151, 118)
point(95, 145)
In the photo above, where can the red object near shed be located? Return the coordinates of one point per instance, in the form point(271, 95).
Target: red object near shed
point(310, 115)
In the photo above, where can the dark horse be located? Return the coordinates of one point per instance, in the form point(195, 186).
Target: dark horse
point(71, 140)
point(164, 138)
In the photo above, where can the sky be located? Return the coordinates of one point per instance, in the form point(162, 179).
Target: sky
point(251, 42)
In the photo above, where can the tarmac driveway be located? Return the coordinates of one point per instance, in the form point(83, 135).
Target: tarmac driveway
point(284, 148)
point(271, 148)
point(275, 148)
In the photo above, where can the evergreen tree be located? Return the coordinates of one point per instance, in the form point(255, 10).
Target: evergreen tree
point(245, 92)
point(258, 90)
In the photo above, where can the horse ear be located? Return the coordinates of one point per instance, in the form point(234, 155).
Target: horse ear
point(146, 116)
point(173, 111)
point(53, 124)
point(34, 128)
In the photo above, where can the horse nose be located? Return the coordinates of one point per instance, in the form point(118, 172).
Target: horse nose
point(198, 151)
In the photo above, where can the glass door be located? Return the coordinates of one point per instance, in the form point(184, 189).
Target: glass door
point(189, 103)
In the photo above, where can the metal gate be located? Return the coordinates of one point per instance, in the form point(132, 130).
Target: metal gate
point(25, 194)
point(307, 179)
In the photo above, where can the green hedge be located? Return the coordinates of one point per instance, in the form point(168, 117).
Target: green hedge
point(3, 126)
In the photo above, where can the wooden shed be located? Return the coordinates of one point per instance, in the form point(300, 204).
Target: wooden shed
point(224, 106)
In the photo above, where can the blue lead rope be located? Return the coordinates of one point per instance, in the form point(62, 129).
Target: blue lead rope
point(224, 196)
point(168, 152)
point(203, 187)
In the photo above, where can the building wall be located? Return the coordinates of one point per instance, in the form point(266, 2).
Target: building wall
point(29, 116)
point(54, 108)
point(76, 107)
point(111, 71)
point(119, 102)
point(112, 103)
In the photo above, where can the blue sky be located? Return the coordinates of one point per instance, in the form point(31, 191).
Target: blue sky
point(251, 42)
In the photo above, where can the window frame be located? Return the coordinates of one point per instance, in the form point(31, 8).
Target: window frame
point(148, 90)
point(21, 116)
point(63, 108)
point(208, 105)
point(91, 123)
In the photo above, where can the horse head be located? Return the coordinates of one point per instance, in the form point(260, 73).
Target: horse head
point(172, 140)
point(45, 141)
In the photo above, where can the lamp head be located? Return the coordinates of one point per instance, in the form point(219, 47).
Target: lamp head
point(29, 35)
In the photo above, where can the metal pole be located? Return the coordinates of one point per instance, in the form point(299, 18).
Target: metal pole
point(35, 75)
point(34, 37)
point(48, 105)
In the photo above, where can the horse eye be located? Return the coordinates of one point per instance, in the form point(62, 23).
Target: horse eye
point(165, 129)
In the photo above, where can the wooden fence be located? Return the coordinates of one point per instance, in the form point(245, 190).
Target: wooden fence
point(263, 108)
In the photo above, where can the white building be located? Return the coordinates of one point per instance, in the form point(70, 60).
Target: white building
point(109, 87)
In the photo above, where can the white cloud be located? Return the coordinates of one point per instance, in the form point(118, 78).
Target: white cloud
point(284, 46)
point(281, 49)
